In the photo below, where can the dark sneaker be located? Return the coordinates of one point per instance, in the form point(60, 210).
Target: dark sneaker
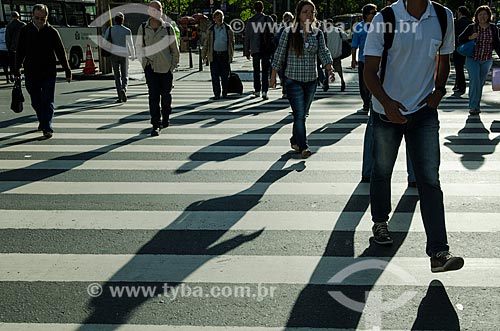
point(381, 234)
point(444, 261)
point(295, 147)
point(123, 96)
point(305, 153)
point(165, 124)
point(48, 134)
point(155, 132)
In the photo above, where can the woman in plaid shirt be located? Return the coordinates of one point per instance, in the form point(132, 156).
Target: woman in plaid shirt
point(296, 55)
point(478, 66)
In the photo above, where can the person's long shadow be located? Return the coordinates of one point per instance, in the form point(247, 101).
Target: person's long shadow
point(39, 171)
point(436, 300)
point(472, 155)
point(204, 155)
point(315, 307)
point(117, 311)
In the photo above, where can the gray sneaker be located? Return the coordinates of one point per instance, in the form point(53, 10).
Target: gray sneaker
point(444, 261)
point(381, 234)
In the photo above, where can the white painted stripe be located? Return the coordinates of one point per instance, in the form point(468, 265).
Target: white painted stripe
point(246, 127)
point(144, 327)
point(477, 272)
point(234, 220)
point(225, 136)
point(233, 164)
point(217, 188)
point(266, 149)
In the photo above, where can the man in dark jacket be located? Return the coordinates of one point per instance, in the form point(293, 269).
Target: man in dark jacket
point(38, 45)
point(11, 36)
point(463, 20)
point(258, 44)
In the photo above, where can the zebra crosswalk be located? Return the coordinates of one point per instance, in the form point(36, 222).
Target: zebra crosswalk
point(216, 225)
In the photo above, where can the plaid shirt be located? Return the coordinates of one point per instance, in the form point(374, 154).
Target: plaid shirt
point(484, 45)
point(302, 68)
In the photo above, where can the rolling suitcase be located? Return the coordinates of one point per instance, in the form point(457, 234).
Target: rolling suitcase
point(234, 84)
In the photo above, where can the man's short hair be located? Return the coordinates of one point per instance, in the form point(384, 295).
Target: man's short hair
point(14, 14)
point(119, 17)
point(218, 12)
point(42, 7)
point(258, 6)
point(464, 11)
point(287, 16)
point(367, 9)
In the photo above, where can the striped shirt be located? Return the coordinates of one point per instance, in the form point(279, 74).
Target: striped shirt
point(302, 68)
point(484, 45)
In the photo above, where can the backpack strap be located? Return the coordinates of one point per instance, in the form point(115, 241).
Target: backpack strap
point(389, 26)
point(143, 24)
point(443, 19)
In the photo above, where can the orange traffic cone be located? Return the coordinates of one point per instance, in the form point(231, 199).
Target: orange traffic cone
point(90, 68)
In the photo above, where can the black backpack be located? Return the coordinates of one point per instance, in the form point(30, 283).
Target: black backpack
point(390, 23)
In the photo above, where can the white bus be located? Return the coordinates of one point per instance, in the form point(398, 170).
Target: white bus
point(72, 18)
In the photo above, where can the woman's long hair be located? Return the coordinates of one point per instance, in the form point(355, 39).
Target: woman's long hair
point(297, 38)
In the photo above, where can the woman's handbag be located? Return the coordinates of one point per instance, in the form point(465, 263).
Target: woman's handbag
point(16, 103)
point(495, 80)
point(467, 49)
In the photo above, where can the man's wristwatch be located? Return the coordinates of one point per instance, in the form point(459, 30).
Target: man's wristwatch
point(441, 89)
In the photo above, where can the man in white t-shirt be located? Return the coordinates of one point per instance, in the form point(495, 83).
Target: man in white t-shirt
point(405, 105)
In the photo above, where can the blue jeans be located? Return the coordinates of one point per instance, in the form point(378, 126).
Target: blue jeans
point(41, 91)
point(120, 72)
point(257, 59)
point(300, 95)
point(159, 88)
point(368, 153)
point(421, 133)
point(478, 70)
point(219, 70)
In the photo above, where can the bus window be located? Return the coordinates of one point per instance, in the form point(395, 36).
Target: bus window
point(90, 13)
point(56, 15)
point(74, 14)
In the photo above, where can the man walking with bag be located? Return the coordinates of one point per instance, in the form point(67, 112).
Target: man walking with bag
point(159, 54)
point(38, 45)
point(218, 48)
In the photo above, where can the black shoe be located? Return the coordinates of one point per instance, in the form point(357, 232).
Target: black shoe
point(381, 234)
point(342, 87)
point(444, 261)
point(155, 132)
point(165, 124)
point(412, 184)
point(365, 179)
point(363, 111)
point(48, 134)
point(217, 97)
point(325, 85)
point(119, 100)
point(123, 96)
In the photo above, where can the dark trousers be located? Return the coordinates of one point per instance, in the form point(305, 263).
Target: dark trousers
point(41, 91)
point(219, 70)
point(159, 88)
point(4, 61)
point(421, 133)
point(459, 62)
point(120, 72)
point(363, 90)
point(265, 60)
point(12, 62)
